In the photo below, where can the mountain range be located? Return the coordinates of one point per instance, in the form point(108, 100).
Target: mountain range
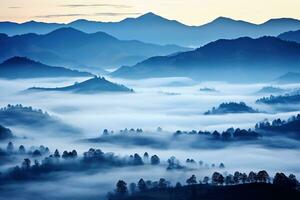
point(90, 86)
point(242, 59)
point(71, 47)
point(156, 29)
point(22, 67)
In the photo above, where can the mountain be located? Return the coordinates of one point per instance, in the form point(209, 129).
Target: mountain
point(70, 47)
point(21, 67)
point(242, 59)
point(156, 29)
point(93, 85)
point(290, 77)
point(291, 36)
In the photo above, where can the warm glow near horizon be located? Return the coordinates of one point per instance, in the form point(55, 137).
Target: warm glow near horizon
point(192, 12)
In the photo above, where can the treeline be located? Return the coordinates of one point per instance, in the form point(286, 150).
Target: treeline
point(124, 190)
point(230, 134)
point(290, 127)
point(40, 161)
point(281, 99)
point(21, 150)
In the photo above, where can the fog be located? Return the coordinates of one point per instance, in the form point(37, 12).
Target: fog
point(170, 103)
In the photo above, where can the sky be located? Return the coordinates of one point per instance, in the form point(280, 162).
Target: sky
point(191, 12)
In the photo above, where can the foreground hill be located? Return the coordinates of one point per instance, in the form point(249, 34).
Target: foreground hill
point(93, 85)
point(257, 191)
point(71, 47)
point(21, 67)
point(291, 36)
point(242, 59)
point(156, 29)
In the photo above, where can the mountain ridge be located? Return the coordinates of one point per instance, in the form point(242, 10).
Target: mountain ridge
point(242, 56)
point(187, 35)
point(22, 67)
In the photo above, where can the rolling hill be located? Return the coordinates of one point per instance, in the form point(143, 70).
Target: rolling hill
point(90, 86)
point(242, 59)
point(21, 67)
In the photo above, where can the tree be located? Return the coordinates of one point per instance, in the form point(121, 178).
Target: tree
point(56, 154)
point(244, 178)
point(263, 176)
point(155, 160)
point(221, 166)
point(10, 147)
point(146, 157)
point(237, 176)
point(178, 185)
point(293, 180)
point(105, 132)
point(132, 188)
point(137, 160)
point(26, 163)
point(229, 180)
point(36, 153)
point(22, 149)
point(142, 185)
point(121, 188)
point(217, 178)
point(252, 177)
point(282, 180)
point(162, 183)
point(192, 180)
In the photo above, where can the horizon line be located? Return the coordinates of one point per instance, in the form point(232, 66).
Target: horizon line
point(210, 21)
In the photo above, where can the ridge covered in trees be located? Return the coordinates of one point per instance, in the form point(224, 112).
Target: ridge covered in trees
point(231, 107)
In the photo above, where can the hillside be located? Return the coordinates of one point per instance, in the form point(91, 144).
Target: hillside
point(231, 107)
point(22, 67)
point(93, 85)
point(71, 47)
point(291, 36)
point(242, 59)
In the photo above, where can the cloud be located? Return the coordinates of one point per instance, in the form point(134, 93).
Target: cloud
point(115, 14)
point(60, 15)
point(96, 5)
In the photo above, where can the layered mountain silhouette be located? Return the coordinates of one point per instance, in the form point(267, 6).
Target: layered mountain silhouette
point(90, 86)
point(22, 67)
point(70, 47)
point(242, 59)
point(156, 29)
point(291, 36)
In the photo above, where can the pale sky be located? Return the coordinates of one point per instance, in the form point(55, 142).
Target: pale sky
point(192, 12)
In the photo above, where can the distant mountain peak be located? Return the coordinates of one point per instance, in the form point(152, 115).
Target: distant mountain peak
point(150, 16)
point(18, 60)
